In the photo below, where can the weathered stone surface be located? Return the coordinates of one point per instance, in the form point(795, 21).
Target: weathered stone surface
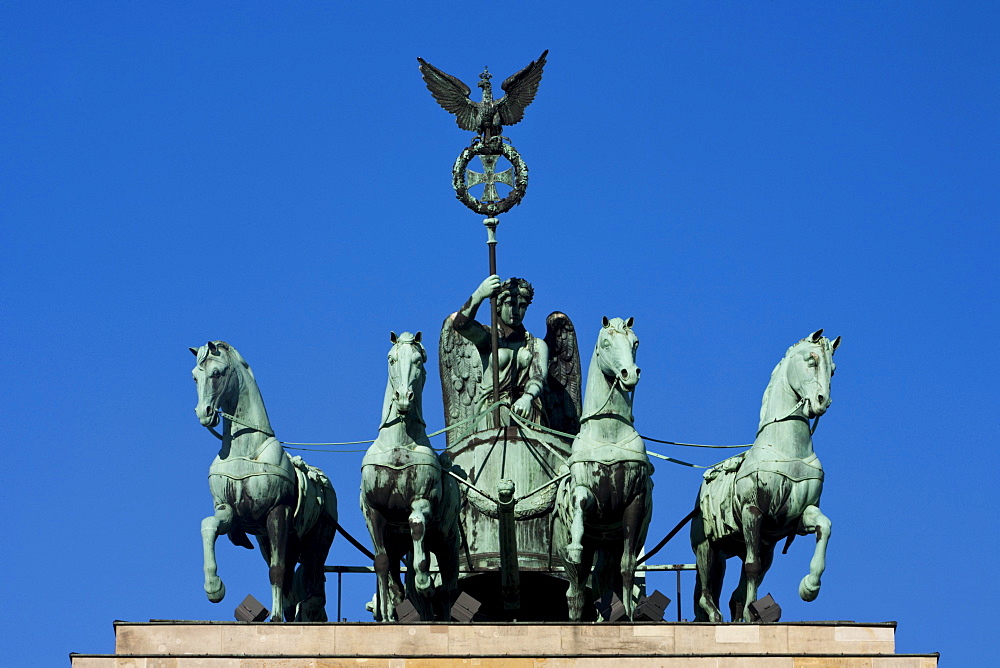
point(501, 640)
point(899, 661)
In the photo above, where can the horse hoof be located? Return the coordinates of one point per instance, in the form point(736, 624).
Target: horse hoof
point(424, 584)
point(809, 588)
point(215, 594)
point(709, 613)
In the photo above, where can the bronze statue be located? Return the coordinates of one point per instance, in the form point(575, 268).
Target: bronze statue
point(257, 488)
point(410, 506)
point(524, 362)
point(488, 117)
point(605, 505)
point(748, 503)
point(509, 461)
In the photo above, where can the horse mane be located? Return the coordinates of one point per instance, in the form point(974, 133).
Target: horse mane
point(590, 400)
point(235, 354)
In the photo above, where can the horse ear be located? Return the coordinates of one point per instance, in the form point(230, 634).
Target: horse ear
point(628, 323)
point(416, 337)
point(606, 321)
point(194, 351)
point(835, 344)
point(814, 337)
point(212, 348)
point(392, 337)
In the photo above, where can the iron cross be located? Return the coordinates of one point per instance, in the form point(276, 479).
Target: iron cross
point(489, 178)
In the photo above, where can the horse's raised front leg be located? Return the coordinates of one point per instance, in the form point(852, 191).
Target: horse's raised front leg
point(211, 528)
point(279, 521)
point(420, 517)
point(582, 501)
point(814, 520)
point(752, 564)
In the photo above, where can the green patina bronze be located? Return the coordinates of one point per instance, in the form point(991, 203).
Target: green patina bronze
point(750, 502)
point(487, 118)
point(605, 504)
point(543, 494)
point(410, 506)
point(506, 456)
point(258, 489)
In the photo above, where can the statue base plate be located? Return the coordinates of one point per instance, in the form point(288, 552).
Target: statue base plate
point(184, 644)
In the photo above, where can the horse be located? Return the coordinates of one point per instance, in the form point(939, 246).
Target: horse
point(604, 505)
point(259, 489)
point(410, 506)
point(747, 503)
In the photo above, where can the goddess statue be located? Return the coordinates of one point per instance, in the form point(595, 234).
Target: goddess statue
point(524, 358)
point(539, 378)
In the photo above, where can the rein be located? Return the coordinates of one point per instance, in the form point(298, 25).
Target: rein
point(598, 414)
point(791, 415)
point(233, 418)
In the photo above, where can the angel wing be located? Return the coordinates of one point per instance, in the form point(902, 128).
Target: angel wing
point(461, 372)
point(453, 95)
point(520, 90)
point(562, 399)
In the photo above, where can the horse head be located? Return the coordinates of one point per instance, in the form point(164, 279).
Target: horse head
point(406, 372)
point(615, 352)
point(217, 381)
point(809, 367)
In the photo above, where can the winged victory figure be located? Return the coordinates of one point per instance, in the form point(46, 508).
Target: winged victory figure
point(552, 389)
point(486, 118)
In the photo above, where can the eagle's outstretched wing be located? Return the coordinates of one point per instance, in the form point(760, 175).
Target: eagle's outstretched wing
point(453, 95)
point(562, 397)
point(461, 372)
point(520, 89)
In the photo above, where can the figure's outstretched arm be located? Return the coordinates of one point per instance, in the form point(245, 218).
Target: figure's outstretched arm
point(465, 320)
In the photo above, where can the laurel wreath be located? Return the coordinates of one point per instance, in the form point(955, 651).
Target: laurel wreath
point(491, 148)
point(541, 504)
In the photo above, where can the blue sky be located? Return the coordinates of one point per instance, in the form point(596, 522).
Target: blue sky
point(732, 175)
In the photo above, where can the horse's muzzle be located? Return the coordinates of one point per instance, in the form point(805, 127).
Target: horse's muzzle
point(629, 378)
point(208, 417)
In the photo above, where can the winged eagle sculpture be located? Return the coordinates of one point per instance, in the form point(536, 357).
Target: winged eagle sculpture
point(485, 118)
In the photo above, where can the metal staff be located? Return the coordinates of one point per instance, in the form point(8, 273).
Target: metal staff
point(491, 242)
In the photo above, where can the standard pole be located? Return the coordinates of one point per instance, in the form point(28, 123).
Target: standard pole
point(491, 241)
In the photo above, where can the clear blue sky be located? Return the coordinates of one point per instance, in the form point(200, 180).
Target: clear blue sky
point(733, 175)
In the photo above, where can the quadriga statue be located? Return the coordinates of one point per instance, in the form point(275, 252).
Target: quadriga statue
point(410, 506)
point(259, 489)
point(605, 504)
point(748, 503)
